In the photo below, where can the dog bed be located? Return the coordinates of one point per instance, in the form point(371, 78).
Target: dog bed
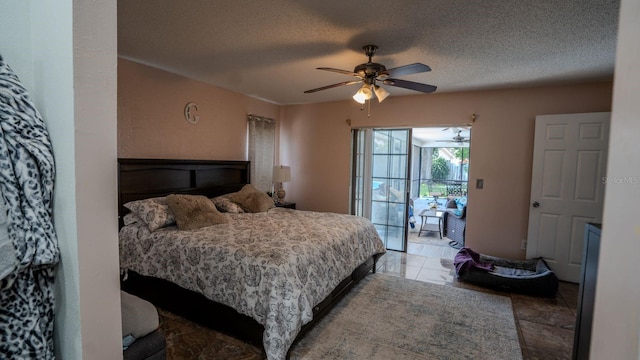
point(142, 339)
point(530, 277)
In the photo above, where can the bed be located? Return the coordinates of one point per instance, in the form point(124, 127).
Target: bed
point(265, 277)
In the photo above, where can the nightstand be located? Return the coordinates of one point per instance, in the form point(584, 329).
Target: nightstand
point(287, 205)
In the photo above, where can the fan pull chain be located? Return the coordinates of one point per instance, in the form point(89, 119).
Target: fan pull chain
point(368, 107)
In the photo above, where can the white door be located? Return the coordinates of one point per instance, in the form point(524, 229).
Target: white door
point(567, 187)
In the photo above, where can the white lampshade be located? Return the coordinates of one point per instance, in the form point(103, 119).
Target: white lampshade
point(281, 174)
point(363, 94)
point(381, 93)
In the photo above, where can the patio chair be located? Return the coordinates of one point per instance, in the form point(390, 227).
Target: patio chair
point(455, 223)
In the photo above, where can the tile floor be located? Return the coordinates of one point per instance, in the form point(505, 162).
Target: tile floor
point(545, 326)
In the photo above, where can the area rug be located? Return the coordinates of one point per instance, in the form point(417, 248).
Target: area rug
point(386, 317)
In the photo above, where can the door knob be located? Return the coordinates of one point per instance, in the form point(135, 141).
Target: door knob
point(536, 204)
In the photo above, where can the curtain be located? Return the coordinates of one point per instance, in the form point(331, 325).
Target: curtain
point(262, 138)
point(27, 172)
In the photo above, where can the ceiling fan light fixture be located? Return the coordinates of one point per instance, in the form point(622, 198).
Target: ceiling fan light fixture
point(370, 72)
point(363, 94)
point(380, 92)
point(359, 97)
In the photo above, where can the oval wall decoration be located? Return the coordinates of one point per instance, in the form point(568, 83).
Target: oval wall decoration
point(189, 114)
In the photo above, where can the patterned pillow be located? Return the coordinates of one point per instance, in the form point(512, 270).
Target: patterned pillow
point(225, 205)
point(154, 212)
point(252, 199)
point(132, 218)
point(194, 211)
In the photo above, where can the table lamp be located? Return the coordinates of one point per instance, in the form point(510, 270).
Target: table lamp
point(281, 174)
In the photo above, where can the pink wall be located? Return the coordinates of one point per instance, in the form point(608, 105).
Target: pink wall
point(316, 143)
point(315, 139)
point(151, 121)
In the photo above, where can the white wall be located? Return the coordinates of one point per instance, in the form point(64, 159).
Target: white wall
point(65, 54)
point(15, 39)
point(95, 133)
point(616, 326)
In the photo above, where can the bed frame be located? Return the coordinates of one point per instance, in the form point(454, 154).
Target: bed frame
point(145, 178)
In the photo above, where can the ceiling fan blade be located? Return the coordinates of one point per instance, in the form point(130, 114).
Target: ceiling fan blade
point(408, 69)
point(333, 85)
point(411, 85)
point(346, 72)
point(453, 141)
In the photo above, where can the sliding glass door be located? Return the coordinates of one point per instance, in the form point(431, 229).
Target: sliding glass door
point(379, 182)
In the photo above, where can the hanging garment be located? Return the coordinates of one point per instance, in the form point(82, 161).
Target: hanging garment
point(8, 261)
point(27, 172)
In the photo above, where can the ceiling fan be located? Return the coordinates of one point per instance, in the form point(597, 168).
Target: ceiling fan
point(457, 128)
point(370, 73)
point(457, 139)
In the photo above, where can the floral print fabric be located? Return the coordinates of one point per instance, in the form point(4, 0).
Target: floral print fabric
point(274, 266)
point(225, 205)
point(154, 212)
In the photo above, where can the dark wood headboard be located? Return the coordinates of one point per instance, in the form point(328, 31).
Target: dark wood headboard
point(146, 178)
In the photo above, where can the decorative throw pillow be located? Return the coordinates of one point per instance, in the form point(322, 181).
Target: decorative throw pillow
point(451, 204)
point(153, 211)
point(225, 205)
point(194, 211)
point(252, 199)
point(461, 202)
point(132, 218)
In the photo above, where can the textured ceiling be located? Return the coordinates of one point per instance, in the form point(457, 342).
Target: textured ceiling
point(271, 49)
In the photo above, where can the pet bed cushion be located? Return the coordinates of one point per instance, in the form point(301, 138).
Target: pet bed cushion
point(139, 317)
point(152, 346)
point(142, 340)
point(530, 277)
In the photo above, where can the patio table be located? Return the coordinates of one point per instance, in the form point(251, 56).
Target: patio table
point(431, 220)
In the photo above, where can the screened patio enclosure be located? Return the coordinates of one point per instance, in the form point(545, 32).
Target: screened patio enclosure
point(439, 171)
point(389, 171)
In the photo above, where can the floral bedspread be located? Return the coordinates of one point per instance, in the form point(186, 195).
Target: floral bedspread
point(273, 266)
